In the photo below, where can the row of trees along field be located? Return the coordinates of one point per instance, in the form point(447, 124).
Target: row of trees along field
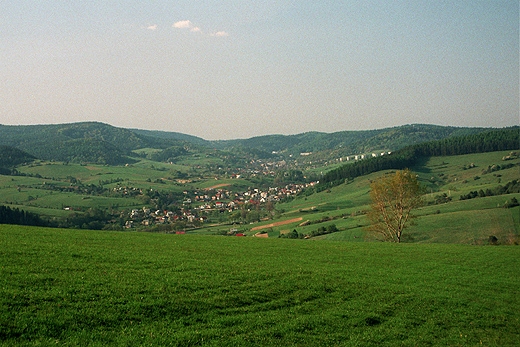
point(20, 217)
point(496, 140)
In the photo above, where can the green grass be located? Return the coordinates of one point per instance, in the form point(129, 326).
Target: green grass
point(71, 287)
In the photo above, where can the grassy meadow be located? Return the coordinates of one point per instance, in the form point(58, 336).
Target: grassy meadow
point(70, 287)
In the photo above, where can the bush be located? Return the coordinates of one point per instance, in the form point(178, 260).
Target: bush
point(512, 203)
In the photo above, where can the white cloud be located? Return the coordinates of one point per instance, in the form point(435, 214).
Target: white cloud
point(220, 34)
point(187, 24)
point(152, 27)
point(183, 24)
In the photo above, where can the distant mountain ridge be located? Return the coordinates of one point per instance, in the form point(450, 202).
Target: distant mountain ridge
point(105, 144)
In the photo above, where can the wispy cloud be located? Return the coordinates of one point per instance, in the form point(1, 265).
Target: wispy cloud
point(220, 34)
point(152, 27)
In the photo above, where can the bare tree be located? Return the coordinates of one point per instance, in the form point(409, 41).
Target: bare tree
point(394, 197)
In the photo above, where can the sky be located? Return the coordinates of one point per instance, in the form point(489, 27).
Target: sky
point(233, 69)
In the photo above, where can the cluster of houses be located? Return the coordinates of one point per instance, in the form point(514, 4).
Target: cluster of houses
point(147, 217)
point(221, 200)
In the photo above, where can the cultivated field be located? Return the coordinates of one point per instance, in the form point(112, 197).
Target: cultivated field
point(69, 287)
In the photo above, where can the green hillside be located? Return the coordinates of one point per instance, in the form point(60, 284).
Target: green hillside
point(48, 188)
point(168, 269)
point(487, 141)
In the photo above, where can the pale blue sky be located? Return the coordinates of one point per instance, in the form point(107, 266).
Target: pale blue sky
point(237, 69)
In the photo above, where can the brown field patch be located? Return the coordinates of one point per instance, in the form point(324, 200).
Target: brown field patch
point(219, 186)
point(288, 221)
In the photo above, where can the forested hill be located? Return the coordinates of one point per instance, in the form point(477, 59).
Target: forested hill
point(489, 141)
point(171, 135)
point(350, 142)
point(10, 157)
point(101, 143)
point(79, 142)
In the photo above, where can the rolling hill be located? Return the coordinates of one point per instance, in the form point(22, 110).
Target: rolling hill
point(94, 142)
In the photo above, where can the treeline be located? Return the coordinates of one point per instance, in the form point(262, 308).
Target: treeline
point(496, 140)
point(93, 219)
point(509, 188)
point(19, 217)
point(294, 234)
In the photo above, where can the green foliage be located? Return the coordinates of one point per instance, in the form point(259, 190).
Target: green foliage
point(19, 217)
point(10, 157)
point(512, 203)
point(71, 287)
point(168, 154)
point(509, 188)
point(93, 219)
point(285, 177)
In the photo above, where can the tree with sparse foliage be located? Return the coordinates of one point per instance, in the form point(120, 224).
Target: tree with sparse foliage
point(394, 197)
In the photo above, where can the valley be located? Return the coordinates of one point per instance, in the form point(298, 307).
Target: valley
point(243, 190)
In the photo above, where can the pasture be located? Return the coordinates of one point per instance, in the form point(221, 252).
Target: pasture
point(70, 287)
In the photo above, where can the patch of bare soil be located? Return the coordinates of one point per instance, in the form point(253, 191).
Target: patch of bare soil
point(219, 186)
point(288, 221)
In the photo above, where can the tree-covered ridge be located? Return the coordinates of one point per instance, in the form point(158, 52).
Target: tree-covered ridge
point(496, 140)
point(105, 144)
point(10, 156)
point(24, 136)
point(78, 142)
point(350, 142)
point(171, 135)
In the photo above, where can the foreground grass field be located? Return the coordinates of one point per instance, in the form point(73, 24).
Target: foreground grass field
point(67, 287)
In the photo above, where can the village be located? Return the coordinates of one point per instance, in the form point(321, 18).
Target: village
point(199, 208)
point(211, 205)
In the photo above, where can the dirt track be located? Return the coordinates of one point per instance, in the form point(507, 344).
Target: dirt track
point(289, 221)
